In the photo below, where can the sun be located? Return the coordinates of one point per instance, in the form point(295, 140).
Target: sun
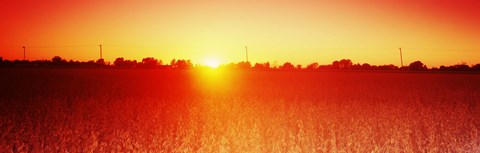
point(212, 62)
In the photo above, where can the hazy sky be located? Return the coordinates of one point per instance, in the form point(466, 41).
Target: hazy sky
point(437, 32)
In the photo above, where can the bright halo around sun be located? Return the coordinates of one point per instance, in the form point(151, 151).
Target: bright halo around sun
point(212, 62)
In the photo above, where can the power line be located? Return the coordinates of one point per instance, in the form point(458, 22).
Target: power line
point(10, 46)
point(306, 48)
point(42, 47)
point(66, 46)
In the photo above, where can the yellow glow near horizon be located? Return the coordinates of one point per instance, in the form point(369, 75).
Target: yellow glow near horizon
point(212, 62)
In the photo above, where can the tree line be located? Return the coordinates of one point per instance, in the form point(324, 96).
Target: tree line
point(152, 63)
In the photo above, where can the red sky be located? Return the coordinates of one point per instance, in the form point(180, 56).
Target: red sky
point(437, 32)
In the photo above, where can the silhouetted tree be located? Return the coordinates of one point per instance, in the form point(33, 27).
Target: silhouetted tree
point(299, 67)
point(443, 68)
point(387, 67)
point(266, 65)
point(416, 66)
point(57, 60)
point(228, 66)
point(71, 63)
point(342, 64)
point(312, 66)
point(150, 62)
point(119, 62)
point(243, 65)
point(100, 62)
point(461, 67)
point(356, 66)
point(74, 63)
point(90, 63)
point(345, 64)
point(181, 64)
point(366, 66)
point(476, 67)
point(287, 66)
point(262, 66)
point(130, 63)
point(336, 64)
point(324, 67)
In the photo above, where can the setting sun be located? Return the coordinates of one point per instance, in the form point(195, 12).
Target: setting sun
point(211, 62)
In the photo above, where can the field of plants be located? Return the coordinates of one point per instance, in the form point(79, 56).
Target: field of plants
point(135, 110)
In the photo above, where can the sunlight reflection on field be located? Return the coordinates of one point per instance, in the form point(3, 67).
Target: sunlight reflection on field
point(231, 111)
point(215, 80)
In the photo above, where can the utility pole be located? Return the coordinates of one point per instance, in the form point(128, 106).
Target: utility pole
point(100, 51)
point(246, 53)
point(401, 56)
point(24, 53)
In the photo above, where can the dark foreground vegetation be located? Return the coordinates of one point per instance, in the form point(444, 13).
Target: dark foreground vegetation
point(152, 63)
point(137, 110)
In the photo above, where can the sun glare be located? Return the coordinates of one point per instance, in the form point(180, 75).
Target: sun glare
point(211, 62)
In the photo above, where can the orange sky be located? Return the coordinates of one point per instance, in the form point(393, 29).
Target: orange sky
point(437, 32)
